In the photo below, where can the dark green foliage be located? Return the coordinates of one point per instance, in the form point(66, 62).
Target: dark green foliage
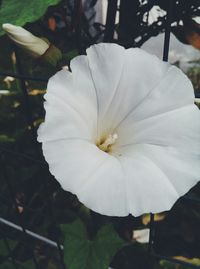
point(85, 253)
point(20, 12)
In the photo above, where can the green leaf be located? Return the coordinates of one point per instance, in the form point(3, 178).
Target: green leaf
point(27, 11)
point(82, 253)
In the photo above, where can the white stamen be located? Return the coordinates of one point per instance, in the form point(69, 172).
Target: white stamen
point(108, 142)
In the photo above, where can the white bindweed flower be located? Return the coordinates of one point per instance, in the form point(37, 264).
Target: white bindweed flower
point(121, 131)
point(24, 39)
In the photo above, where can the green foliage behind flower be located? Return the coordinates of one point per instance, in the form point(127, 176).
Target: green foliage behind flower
point(96, 253)
point(20, 12)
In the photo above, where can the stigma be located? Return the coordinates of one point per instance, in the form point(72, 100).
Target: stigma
point(106, 143)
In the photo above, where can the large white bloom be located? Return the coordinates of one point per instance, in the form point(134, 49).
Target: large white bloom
point(121, 131)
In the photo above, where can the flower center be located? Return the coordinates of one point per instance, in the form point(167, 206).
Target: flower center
point(106, 143)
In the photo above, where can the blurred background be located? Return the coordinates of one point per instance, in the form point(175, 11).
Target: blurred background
point(37, 218)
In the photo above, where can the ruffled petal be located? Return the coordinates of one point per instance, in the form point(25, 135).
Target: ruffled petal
point(93, 175)
point(157, 176)
point(147, 187)
point(70, 105)
point(62, 121)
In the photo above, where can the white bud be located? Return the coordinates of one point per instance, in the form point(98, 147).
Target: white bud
point(24, 39)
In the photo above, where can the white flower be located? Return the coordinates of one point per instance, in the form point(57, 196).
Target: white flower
point(24, 39)
point(121, 131)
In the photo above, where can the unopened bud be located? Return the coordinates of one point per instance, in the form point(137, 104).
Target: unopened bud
point(37, 47)
point(24, 39)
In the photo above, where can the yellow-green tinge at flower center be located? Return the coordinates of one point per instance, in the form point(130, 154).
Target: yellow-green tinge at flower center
point(106, 143)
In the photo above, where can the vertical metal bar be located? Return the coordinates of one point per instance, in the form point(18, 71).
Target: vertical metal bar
point(110, 20)
point(151, 234)
point(128, 22)
point(77, 20)
point(167, 30)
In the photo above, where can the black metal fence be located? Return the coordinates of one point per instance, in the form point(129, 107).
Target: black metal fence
point(21, 219)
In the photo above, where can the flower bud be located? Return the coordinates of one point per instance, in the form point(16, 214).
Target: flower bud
point(37, 47)
point(24, 39)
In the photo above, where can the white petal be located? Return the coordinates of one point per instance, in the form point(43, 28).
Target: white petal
point(119, 79)
point(62, 121)
point(71, 109)
point(179, 128)
point(173, 91)
point(106, 65)
point(157, 176)
point(181, 168)
point(135, 86)
point(93, 175)
point(148, 189)
point(105, 193)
